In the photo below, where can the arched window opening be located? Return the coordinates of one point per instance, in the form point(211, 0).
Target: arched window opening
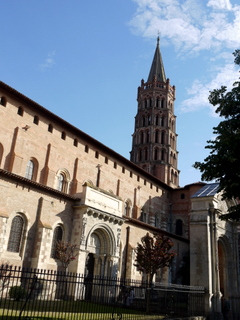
point(174, 159)
point(175, 177)
point(29, 170)
point(62, 179)
point(141, 137)
point(171, 157)
point(60, 183)
point(140, 155)
point(57, 236)
point(179, 227)
point(163, 155)
point(148, 136)
point(146, 154)
point(36, 120)
point(156, 154)
point(158, 103)
point(20, 111)
point(145, 103)
point(162, 103)
point(162, 138)
point(156, 120)
point(143, 121)
point(162, 121)
point(156, 136)
point(3, 101)
point(173, 142)
point(149, 120)
point(16, 234)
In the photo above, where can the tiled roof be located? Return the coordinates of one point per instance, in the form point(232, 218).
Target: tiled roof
point(83, 135)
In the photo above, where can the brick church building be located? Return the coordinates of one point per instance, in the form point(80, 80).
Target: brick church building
point(58, 183)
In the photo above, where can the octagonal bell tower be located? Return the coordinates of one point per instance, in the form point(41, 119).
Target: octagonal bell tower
point(154, 139)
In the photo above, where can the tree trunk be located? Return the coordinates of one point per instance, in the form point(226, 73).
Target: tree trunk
point(148, 293)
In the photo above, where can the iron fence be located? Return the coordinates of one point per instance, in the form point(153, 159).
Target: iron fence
point(46, 294)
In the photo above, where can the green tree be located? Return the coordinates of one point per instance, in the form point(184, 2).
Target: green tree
point(223, 162)
point(153, 253)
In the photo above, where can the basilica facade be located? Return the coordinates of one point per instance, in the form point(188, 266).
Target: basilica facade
point(58, 183)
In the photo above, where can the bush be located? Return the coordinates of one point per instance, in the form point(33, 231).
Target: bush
point(17, 293)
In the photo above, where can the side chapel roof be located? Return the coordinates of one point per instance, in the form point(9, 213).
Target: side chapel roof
point(208, 190)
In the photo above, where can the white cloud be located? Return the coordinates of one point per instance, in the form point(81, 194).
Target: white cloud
point(199, 91)
point(49, 61)
point(189, 24)
point(220, 4)
point(193, 27)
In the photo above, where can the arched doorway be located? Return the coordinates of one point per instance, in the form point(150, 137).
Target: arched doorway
point(101, 247)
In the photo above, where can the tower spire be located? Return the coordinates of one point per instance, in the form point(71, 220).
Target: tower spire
point(154, 144)
point(157, 68)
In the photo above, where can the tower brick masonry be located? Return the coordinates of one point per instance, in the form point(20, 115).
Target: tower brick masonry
point(154, 140)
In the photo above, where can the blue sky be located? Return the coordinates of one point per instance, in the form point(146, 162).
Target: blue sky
point(84, 60)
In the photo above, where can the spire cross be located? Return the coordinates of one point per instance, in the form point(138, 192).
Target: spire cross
point(158, 38)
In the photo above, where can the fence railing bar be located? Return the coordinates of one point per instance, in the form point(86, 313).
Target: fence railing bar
point(57, 293)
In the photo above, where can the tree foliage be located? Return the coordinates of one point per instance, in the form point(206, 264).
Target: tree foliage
point(223, 162)
point(153, 253)
point(66, 252)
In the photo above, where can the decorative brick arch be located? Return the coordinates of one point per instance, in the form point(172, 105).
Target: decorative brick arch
point(101, 246)
point(106, 237)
